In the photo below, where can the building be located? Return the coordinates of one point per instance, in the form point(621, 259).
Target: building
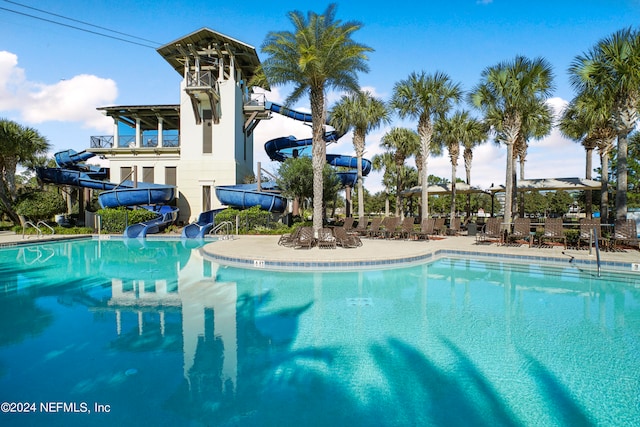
point(204, 141)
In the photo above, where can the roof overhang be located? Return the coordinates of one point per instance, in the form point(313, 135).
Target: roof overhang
point(207, 43)
point(552, 184)
point(461, 188)
point(149, 115)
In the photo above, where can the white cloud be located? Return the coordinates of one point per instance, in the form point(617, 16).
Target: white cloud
point(71, 100)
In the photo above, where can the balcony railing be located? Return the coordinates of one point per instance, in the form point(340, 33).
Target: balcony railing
point(203, 79)
point(129, 141)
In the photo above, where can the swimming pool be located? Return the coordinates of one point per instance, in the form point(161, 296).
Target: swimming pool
point(115, 332)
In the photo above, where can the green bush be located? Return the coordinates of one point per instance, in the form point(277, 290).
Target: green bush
point(115, 220)
point(39, 205)
point(249, 220)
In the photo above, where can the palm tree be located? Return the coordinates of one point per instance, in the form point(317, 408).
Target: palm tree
point(362, 111)
point(385, 162)
point(18, 144)
point(506, 92)
point(588, 119)
point(453, 131)
point(319, 54)
point(400, 143)
point(426, 98)
point(536, 124)
point(611, 69)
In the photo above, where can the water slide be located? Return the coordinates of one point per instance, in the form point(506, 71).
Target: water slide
point(280, 149)
point(73, 171)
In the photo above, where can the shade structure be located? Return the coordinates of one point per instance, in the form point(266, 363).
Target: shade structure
point(437, 189)
point(552, 184)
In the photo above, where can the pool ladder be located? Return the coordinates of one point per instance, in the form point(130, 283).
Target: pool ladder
point(594, 233)
point(226, 227)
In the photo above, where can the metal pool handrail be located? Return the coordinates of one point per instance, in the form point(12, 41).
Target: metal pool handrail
point(595, 234)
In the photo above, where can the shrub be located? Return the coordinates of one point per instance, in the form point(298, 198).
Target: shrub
point(249, 220)
point(115, 220)
point(39, 205)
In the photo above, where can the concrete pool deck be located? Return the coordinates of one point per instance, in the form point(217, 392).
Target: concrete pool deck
point(264, 252)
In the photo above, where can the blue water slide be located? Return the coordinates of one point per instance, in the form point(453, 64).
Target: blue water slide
point(245, 196)
point(74, 172)
point(282, 148)
point(200, 228)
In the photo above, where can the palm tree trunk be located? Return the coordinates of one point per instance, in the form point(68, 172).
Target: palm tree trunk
point(621, 191)
point(358, 142)
point(604, 191)
point(454, 165)
point(425, 131)
point(508, 199)
point(319, 155)
point(587, 175)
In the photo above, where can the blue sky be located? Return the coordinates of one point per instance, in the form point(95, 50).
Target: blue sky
point(53, 77)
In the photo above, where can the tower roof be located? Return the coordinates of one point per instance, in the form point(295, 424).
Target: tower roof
point(206, 43)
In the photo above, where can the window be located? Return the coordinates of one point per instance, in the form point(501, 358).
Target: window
point(207, 132)
point(126, 174)
point(206, 198)
point(147, 174)
point(170, 175)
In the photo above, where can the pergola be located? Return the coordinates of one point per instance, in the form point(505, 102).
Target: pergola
point(552, 184)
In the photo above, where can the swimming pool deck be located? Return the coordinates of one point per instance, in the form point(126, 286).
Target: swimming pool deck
point(264, 252)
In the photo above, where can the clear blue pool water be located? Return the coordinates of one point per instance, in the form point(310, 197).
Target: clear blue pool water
point(158, 335)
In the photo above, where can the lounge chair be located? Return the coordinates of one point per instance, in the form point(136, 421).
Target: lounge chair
point(389, 226)
point(590, 228)
point(521, 231)
point(491, 232)
point(624, 234)
point(406, 228)
point(346, 240)
point(439, 227)
point(289, 239)
point(348, 223)
point(374, 229)
point(326, 239)
point(305, 238)
point(455, 228)
point(361, 228)
point(426, 229)
point(553, 231)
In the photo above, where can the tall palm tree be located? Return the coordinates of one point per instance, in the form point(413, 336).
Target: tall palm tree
point(364, 112)
point(506, 92)
point(536, 124)
point(18, 144)
point(612, 69)
point(385, 162)
point(588, 119)
point(400, 143)
point(459, 129)
point(318, 54)
point(427, 98)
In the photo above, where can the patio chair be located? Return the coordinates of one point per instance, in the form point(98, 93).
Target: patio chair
point(348, 223)
point(406, 228)
point(346, 240)
point(491, 232)
point(326, 239)
point(590, 228)
point(389, 226)
point(362, 226)
point(289, 239)
point(553, 231)
point(625, 234)
point(439, 227)
point(305, 238)
point(455, 228)
point(521, 230)
point(426, 229)
point(374, 227)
